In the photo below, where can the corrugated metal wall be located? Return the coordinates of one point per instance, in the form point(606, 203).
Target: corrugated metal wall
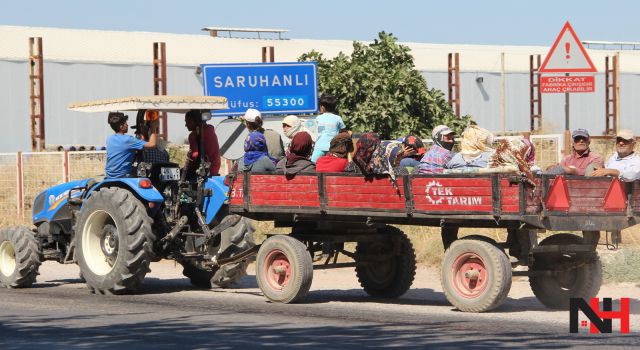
point(71, 82)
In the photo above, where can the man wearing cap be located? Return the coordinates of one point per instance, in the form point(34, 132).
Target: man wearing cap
point(577, 162)
point(625, 164)
point(121, 147)
point(440, 153)
point(253, 120)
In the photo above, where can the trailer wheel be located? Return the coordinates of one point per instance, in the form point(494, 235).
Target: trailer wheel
point(19, 257)
point(556, 290)
point(476, 275)
point(284, 269)
point(114, 241)
point(235, 239)
point(392, 276)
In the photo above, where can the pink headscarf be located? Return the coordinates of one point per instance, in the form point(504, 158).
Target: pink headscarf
point(530, 154)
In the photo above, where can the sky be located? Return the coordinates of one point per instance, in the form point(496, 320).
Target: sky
point(489, 22)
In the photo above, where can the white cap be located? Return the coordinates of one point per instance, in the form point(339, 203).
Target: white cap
point(251, 114)
point(442, 130)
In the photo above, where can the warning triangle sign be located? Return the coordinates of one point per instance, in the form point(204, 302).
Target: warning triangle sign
point(567, 55)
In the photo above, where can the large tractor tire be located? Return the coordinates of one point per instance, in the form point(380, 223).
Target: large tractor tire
point(114, 241)
point(235, 239)
point(386, 269)
point(555, 291)
point(476, 275)
point(19, 257)
point(284, 269)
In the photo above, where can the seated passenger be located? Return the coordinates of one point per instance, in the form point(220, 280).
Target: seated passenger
point(253, 119)
point(256, 155)
point(336, 160)
point(152, 155)
point(625, 164)
point(297, 159)
point(475, 150)
point(510, 157)
point(413, 150)
point(291, 125)
point(121, 147)
point(440, 153)
point(530, 156)
point(365, 147)
point(580, 158)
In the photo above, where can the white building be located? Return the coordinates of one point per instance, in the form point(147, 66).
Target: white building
point(90, 64)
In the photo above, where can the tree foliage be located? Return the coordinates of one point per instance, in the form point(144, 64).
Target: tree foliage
point(379, 89)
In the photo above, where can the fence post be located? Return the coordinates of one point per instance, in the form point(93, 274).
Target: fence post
point(65, 166)
point(20, 190)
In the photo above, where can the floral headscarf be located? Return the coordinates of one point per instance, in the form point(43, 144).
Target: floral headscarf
point(475, 141)
point(255, 147)
point(365, 147)
point(300, 148)
point(530, 154)
point(416, 145)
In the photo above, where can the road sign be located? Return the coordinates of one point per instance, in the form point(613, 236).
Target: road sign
point(272, 88)
point(559, 84)
point(567, 55)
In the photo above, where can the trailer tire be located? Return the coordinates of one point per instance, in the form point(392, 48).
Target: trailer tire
point(19, 257)
point(390, 278)
point(476, 275)
point(237, 239)
point(284, 269)
point(556, 291)
point(114, 241)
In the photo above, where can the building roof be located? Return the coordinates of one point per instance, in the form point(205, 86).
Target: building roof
point(119, 47)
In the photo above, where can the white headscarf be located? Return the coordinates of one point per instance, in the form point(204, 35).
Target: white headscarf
point(296, 126)
point(475, 141)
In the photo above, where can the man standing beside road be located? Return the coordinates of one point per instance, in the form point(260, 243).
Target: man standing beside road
point(577, 162)
point(121, 147)
point(329, 125)
point(625, 164)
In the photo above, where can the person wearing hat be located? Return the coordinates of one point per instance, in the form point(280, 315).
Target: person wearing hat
point(581, 156)
point(625, 164)
point(413, 150)
point(121, 147)
point(440, 152)
point(253, 119)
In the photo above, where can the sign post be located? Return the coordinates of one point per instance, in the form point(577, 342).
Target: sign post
point(567, 55)
point(271, 88)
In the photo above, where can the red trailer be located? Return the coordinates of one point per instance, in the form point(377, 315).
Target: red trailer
point(326, 210)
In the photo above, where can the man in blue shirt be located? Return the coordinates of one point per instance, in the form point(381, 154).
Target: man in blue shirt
point(121, 147)
point(329, 125)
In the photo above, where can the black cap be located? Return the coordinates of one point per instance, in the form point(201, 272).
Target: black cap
point(117, 117)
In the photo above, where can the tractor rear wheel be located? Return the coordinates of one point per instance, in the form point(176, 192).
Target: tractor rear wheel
point(114, 241)
point(19, 257)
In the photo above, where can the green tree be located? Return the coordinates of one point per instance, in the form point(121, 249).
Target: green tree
point(379, 89)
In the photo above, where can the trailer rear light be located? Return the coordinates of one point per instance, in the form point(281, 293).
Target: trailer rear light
point(145, 183)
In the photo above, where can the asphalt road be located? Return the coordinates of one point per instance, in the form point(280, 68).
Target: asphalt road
point(60, 313)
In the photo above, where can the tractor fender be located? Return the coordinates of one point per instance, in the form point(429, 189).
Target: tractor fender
point(213, 203)
point(150, 194)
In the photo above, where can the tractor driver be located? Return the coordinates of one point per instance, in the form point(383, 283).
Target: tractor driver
point(121, 147)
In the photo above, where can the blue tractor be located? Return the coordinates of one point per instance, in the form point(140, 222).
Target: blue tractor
point(114, 228)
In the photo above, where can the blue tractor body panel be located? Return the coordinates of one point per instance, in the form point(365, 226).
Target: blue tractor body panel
point(50, 205)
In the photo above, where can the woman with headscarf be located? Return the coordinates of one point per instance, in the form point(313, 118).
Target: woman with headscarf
point(365, 147)
point(291, 125)
point(335, 161)
point(256, 155)
point(297, 160)
point(475, 149)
